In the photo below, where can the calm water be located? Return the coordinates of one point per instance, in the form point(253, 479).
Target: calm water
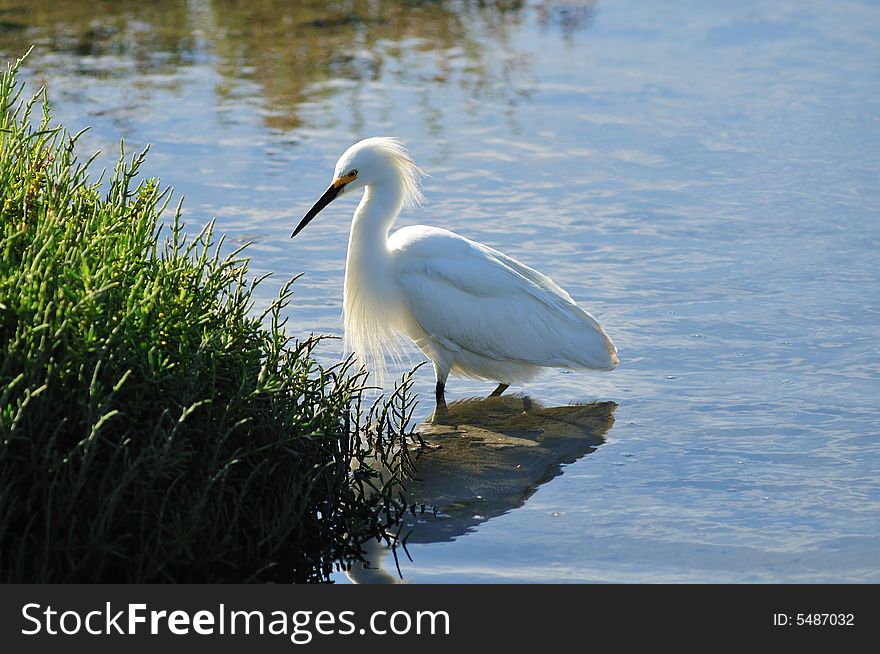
point(702, 177)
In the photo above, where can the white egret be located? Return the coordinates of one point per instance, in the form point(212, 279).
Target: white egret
point(472, 310)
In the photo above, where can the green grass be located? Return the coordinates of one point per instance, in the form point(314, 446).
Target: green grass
point(153, 427)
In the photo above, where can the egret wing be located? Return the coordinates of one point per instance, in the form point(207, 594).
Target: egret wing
point(471, 297)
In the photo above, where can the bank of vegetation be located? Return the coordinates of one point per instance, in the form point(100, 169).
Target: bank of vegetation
point(153, 426)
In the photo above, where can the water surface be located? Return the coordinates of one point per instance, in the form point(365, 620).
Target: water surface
point(703, 178)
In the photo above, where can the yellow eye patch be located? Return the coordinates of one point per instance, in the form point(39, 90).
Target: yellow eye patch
point(345, 179)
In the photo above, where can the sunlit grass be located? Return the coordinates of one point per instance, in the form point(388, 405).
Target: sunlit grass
point(154, 426)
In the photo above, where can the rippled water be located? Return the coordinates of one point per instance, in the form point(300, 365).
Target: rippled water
point(704, 178)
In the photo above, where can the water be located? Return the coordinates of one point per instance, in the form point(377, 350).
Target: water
point(702, 177)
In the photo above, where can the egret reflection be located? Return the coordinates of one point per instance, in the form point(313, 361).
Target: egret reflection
point(485, 457)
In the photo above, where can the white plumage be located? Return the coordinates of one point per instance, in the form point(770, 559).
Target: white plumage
point(472, 310)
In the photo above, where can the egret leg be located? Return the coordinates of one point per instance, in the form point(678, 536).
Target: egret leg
point(440, 410)
point(441, 373)
point(498, 391)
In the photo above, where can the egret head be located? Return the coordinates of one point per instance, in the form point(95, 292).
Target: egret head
point(376, 161)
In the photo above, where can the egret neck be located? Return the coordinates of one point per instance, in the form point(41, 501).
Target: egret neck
point(370, 301)
point(372, 220)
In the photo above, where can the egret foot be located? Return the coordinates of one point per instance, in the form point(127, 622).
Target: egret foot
point(498, 391)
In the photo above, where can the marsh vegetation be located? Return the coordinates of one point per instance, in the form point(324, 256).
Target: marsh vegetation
point(153, 426)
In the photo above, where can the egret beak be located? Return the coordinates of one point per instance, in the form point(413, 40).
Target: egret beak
point(328, 197)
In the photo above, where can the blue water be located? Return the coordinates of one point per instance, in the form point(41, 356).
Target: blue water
point(702, 177)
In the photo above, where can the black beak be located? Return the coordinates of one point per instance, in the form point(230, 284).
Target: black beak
point(328, 197)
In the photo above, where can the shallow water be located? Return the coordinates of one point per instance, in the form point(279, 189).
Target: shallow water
point(703, 178)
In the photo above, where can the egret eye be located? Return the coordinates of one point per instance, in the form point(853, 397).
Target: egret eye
point(352, 173)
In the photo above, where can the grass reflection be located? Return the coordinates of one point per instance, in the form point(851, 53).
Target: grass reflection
point(294, 52)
